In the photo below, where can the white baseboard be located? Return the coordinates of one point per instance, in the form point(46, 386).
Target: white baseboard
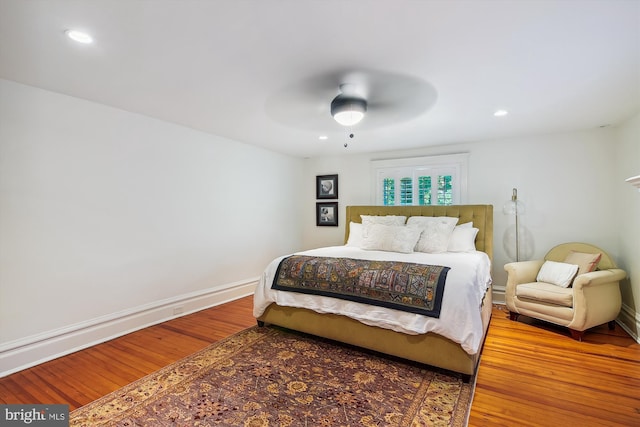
point(30, 351)
point(629, 320)
point(498, 294)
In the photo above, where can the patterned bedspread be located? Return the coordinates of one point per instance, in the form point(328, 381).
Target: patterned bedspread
point(416, 288)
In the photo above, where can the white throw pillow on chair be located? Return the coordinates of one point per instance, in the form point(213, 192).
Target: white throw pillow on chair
point(557, 273)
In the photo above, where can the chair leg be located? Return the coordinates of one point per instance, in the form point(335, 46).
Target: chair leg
point(612, 325)
point(576, 335)
point(513, 315)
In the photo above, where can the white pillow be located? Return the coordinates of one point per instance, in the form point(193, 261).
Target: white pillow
point(392, 238)
point(436, 232)
point(557, 273)
point(463, 239)
point(355, 234)
point(383, 219)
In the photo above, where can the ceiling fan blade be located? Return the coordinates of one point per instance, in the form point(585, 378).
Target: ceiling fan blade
point(391, 98)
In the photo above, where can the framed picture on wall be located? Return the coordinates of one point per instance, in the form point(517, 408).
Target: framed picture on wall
point(327, 214)
point(327, 187)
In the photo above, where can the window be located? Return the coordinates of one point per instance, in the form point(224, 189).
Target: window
point(406, 191)
point(424, 190)
point(433, 180)
point(389, 191)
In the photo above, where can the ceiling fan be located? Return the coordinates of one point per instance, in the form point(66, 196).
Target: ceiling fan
point(360, 99)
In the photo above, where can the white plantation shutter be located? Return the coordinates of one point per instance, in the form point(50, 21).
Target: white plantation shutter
point(433, 180)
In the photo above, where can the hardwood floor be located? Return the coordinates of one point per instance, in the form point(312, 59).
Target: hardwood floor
point(534, 374)
point(531, 373)
point(84, 376)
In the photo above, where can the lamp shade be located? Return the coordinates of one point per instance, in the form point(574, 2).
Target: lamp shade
point(348, 110)
point(513, 206)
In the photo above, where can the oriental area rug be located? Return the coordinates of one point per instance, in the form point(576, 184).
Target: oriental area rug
point(267, 376)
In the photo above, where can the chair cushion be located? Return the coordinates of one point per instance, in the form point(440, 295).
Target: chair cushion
point(546, 292)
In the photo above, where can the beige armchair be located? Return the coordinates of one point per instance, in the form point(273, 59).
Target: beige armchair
point(592, 299)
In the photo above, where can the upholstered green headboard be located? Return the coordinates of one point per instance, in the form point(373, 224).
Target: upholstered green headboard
point(480, 215)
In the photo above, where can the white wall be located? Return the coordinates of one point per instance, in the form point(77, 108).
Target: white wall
point(568, 183)
point(107, 214)
point(628, 204)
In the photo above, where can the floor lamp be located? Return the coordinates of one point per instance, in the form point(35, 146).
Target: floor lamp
point(515, 207)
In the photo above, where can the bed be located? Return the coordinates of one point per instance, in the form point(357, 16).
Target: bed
point(452, 341)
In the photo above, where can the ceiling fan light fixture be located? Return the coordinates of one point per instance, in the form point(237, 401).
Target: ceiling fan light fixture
point(348, 110)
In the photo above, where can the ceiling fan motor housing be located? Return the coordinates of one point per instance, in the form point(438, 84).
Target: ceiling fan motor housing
point(345, 108)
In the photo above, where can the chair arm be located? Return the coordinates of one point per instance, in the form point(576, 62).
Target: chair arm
point(596, 298)
point(599, 277)
point(523, 271)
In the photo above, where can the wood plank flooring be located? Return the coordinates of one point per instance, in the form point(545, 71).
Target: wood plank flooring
point(84, 376)
point(531, 373)
point(534, 374)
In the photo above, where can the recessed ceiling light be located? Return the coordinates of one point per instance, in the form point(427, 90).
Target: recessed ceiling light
point(323, 137)
point(79, 36)
point(500, 113)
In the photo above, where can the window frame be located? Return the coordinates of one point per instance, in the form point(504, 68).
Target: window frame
point(455, 165)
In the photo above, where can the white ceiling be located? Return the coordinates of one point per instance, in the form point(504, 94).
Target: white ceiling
point(235, 68)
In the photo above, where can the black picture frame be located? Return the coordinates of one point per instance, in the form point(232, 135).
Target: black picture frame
point(327, 214)
point(327, 187)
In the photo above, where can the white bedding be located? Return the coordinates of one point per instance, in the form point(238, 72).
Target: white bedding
point(460, 321)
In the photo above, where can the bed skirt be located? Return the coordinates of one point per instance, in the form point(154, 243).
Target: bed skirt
point(431, 349)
